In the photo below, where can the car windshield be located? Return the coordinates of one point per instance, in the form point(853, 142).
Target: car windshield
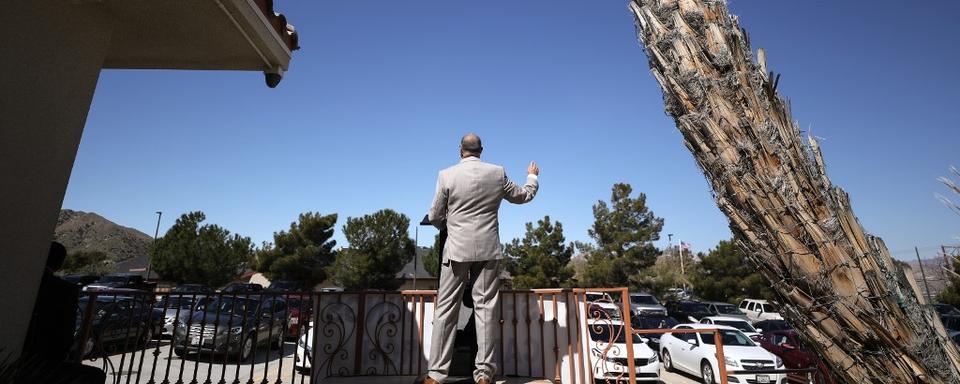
point(229, 305)
point(643, 299)
point(694, 307)
point(728, 309)
point(741, 325)
point(773, 325)
point(729, 337)
point(602, 333)
point(113, 279)
point(770, 308)
point(296, 302)
point(659, 322)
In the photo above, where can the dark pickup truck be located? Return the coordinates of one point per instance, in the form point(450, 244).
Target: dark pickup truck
point(121, 281)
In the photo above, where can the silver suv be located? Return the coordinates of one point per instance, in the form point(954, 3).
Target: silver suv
point(645, 304)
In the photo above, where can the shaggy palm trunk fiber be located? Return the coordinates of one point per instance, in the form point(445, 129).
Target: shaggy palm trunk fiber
point(839, 286)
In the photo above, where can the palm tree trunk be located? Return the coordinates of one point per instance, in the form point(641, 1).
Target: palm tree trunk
point(839, 286)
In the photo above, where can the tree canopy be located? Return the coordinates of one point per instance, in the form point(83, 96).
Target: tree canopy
point(726, 274)
point(88, 262)
point(542, 258)
point(624, 231)
point(379, 248)
point(431, 258)
point(301, 253)
point(193, 253)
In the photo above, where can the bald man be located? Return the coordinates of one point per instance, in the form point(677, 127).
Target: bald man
point(467, 203)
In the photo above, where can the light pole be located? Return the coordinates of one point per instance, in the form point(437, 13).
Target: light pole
point(416, 247)
point(670, 240)
point(155, 234)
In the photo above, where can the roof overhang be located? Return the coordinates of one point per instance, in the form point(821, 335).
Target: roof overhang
point(203, 35)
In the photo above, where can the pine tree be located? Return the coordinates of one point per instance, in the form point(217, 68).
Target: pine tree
point(541, 259)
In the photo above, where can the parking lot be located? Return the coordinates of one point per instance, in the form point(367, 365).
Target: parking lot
point(271, 365)
point(161, 364)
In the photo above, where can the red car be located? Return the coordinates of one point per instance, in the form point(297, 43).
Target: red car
point(301, 309)
point(786, 345)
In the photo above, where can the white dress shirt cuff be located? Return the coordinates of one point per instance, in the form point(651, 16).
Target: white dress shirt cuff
point(535, 177)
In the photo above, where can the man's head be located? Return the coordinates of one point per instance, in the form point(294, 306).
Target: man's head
point(56, 256)
point(470, 146)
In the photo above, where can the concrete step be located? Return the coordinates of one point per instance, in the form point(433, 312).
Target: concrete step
point(417, 380)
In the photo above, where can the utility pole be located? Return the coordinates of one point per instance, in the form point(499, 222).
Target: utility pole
point(683, 275)
point(155, 234)
point(922, 273)
point(416, 247)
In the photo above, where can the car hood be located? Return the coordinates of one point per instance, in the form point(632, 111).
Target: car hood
point(649, 306)
point(747, 353)
point(115, 284)
point(211, 318)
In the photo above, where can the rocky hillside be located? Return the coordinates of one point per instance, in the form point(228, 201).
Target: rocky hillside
point(87, 231)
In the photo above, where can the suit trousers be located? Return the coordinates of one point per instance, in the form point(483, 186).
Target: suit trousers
point(486, 303)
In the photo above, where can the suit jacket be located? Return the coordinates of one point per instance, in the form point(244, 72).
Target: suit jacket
point(467, 203)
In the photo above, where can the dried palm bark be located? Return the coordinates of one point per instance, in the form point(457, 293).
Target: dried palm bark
point(839, 285)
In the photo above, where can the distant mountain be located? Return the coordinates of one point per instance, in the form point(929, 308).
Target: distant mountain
point(937, 278)
point(87, 231)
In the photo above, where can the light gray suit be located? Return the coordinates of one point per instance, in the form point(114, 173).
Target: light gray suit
point(467, 202)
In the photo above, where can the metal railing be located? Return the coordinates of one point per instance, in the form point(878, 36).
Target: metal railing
point(564, 335)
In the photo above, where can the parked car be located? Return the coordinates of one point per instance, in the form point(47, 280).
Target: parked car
point(301, 311)
point(757, 310)
point(176, 307)
point(678, 294)
point(601, 305)
point(243, 287)
point(81, 280)
point(303, 356)
point(687, 311)
point(788, 346)
point(117, 322)
point(653, 322)
point(946, 309)
point(718, 308)
point(608, 352)
point(121, 280)
point(735, 322)
point(764, 326)
point(695, 353)
point(288, 286)
point(232, 325)
point(646, 304)
point(949, 316)
point(192, 288)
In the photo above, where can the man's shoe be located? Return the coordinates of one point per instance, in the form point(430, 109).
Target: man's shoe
point(430, 380)
point(483, 381)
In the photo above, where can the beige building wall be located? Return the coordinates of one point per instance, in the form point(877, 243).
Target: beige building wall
point(52, 53)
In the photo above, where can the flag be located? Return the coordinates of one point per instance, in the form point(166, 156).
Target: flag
point(684, 246)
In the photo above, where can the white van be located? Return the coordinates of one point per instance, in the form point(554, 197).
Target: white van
point(757, 310)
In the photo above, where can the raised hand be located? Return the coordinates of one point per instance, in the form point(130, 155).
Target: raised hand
point(533, 169)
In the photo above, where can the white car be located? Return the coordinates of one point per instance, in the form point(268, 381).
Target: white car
point(695, 353)
point(608, 353)
point(601, 306)
point(757, 310)
point(304, 354)
point(646, 304)
point(735, 322)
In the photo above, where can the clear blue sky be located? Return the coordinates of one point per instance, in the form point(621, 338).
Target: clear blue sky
point(377, 99)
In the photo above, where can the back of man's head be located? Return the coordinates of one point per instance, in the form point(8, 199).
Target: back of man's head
point(56, 256)
point(470, 143)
